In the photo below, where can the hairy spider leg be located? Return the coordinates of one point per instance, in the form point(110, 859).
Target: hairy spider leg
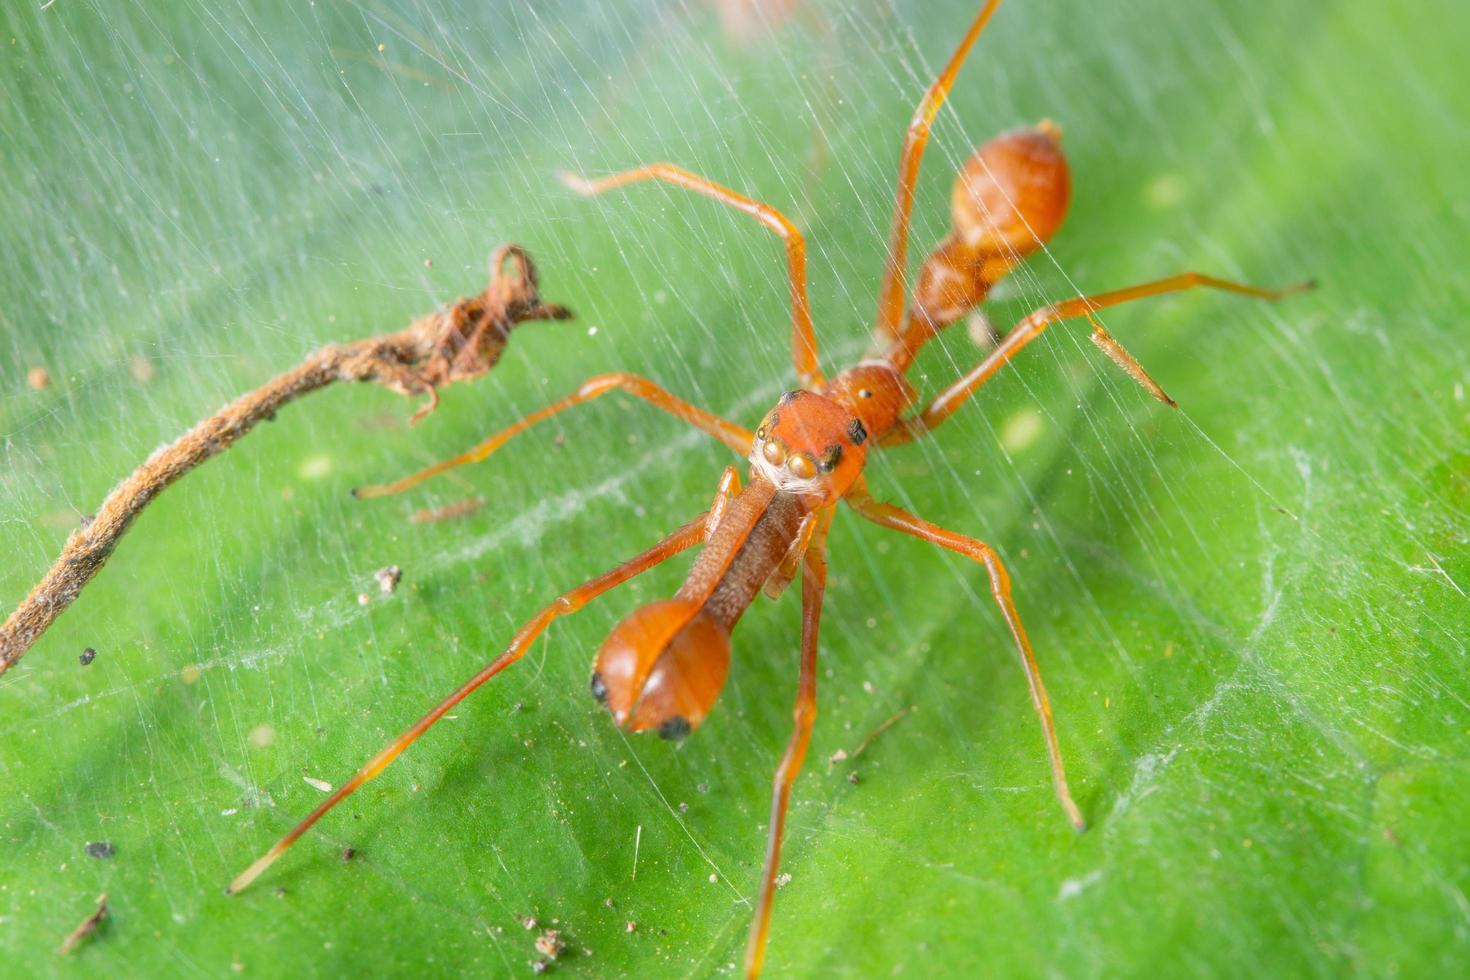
point(725, 493)
point(889, 516)
point(813, 587)
point(1109, 345)
point(725, 431)
point(892, 288)
point(951, 398)
point(803, 339)
point(569, 602)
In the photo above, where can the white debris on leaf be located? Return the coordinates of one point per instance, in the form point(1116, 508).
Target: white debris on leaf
point(388, 579)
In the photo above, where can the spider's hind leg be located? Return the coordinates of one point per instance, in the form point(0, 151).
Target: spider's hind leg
point(950, 399)
point(709, 423)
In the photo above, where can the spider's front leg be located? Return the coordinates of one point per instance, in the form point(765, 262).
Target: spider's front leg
point(725, 431)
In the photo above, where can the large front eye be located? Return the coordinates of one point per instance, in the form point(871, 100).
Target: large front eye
point(801, 466)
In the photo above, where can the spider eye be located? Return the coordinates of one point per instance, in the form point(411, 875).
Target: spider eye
point(761, 433)
point(864, 393)
point(801, 466)
point(774, 453)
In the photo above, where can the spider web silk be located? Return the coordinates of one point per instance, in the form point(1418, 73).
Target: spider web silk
point(1250, 613)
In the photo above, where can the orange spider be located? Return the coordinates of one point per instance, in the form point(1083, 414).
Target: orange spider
point(664, 665)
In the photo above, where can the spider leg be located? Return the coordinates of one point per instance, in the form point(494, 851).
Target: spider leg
point(887, 515)
point(951, 398)
point(813, 586)
point(725, 431)
point(569, 602)
point(725, 494)
point(803, 339)
point(892, 287)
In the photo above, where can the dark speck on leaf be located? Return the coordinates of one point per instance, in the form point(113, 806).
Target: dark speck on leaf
point(703, 787)
point(100, 849)
point(88, 655)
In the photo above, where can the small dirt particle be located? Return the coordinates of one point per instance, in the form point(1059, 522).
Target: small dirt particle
point(549, 944)
point(348, 853)
point(388, 579)
point(88, 655)
point(529, 921)
point(540, 966)
point(363, 599)
point(852, 777)
point(101, 849)
point(630, 926)
point(782, 880)
point(38, 378)
point(703, 787)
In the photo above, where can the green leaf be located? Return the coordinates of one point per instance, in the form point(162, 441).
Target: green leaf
point(1249, 612)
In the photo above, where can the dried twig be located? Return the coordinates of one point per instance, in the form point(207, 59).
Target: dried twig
point(89, 925)
point(893, 719)
point(448, 512)
point(842, 755)
point(459, 343)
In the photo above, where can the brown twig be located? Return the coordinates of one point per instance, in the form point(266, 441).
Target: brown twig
point(89, 925)
point(842, 755)
point(448, 512)
point(459, 343)
point(893, 719)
